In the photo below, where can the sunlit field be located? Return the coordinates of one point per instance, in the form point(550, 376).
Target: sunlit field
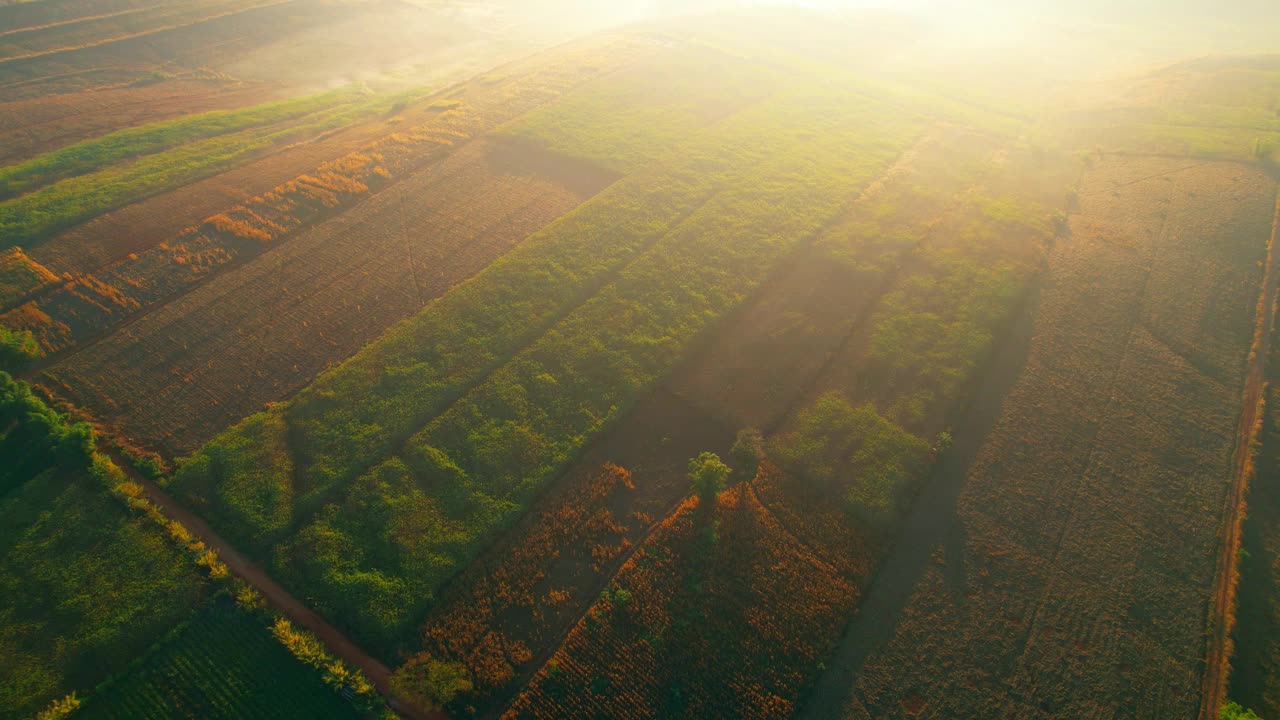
point(565, 359)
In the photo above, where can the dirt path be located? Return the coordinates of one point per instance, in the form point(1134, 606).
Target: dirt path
point(279, 598)
point(1213, 686)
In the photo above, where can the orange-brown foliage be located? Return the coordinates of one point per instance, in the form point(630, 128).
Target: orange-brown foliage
point(489, 626)
point(733, 626)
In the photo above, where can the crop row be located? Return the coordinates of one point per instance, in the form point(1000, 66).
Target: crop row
point(105, 595)
point(199, 364)
point(1255, 659)
point(223, 664)
point(779, 345)
point(721, 613)
point(624, 120)
point(85, 588)
point(98, 153)
point(37, 215)
point(475, 628)
point(91, 31)
point(1103, 476)
point(505, 439)
point(88, 305)
point(839, 458)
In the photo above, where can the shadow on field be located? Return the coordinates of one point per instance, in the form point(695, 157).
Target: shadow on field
point(931, 525)
point(518, 156)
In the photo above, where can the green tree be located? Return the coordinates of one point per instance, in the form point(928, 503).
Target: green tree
point(429, 683)
point(1233, 711)
point(748, 451)
point(17, 348)
point(707, 473)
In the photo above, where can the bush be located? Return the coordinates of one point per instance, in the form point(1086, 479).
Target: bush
point(853, 453)
point(707, 474)
point(747, 452)
point(1233, 711)
point(430, 683)
point(18, 348)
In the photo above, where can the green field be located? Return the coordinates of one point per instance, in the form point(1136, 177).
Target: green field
point(84, 589)
point(223, 664)
point(93, 594)
point(74, 184)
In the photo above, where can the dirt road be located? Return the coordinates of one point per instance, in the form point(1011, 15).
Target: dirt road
point(1213, 686)
point(279, 598)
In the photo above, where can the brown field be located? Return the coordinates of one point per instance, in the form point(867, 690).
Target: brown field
point(691, 628)
point(25, 43)
point(20, 16)
point(176, 377)
point(1081, 552)
point(142, 225)
point(87, 306)
point(511, 609)
point(33, 126)
point(199, 34)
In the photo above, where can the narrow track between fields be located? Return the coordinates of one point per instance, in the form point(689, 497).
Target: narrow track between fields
point(281, 599)
point(1213, 686)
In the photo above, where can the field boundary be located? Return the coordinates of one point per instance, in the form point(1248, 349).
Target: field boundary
point(144, 33)
point(1222, 605)
point(398, 445)
point(334, 639)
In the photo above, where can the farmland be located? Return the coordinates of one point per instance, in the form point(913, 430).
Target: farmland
point(394, 358)
point(550, 361)
point(1130, 484)
point(95, 591)
point(213, 668)
point(657, 630)
point(469, 201)
point(54, 191)
point(527, 591)
point(831, 451)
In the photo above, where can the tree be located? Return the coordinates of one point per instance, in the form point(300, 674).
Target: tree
point(748, 451)
point(429, 683)
point(707, 473)
point(17, 348)
point(59, 709)
point(1233, 711)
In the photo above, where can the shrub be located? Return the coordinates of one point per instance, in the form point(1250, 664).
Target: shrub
point(853, 453)
point(430, 683)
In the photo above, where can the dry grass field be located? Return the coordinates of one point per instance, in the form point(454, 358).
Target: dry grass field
point(1100, 481)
